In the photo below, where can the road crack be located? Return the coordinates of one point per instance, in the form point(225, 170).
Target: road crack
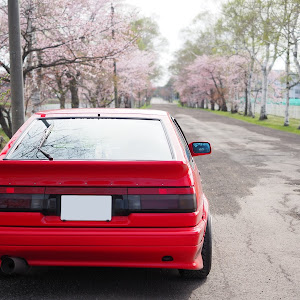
point(269, 258)
point(286, 275)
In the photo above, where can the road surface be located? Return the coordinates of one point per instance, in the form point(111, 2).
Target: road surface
point(252, 179)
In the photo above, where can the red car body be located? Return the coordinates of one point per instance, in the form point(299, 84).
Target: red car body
point(138, 239)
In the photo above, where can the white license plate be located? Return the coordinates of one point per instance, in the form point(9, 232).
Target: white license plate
point(86, 208)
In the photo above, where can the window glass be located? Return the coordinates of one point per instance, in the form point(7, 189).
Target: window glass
point(94, 139)
point(183, 140)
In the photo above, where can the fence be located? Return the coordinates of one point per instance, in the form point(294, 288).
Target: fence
point(279, 110)
point(276, 109)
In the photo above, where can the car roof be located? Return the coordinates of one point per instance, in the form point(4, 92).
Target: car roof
point(106, 111)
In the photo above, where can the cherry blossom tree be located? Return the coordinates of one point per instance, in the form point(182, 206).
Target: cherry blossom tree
point(216, 78)
point(135, 70)
point(65, 44)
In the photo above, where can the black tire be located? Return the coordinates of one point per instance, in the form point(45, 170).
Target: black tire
point(206, 256)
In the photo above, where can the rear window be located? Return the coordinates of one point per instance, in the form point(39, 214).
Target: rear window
point(93, 139)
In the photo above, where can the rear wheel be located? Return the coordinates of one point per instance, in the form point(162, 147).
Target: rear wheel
point(206, 256)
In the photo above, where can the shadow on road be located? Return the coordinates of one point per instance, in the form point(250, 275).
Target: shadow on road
point(97, 283)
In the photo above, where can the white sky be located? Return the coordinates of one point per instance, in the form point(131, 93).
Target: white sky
point(172, 16)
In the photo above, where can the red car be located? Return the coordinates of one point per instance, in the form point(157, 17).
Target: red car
point(103, 187)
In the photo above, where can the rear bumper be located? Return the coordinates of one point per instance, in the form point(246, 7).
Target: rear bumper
point(109, 247)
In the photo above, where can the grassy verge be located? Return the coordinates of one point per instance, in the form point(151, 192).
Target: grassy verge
point(6, 139)
point(274, 122)
point(145, 106)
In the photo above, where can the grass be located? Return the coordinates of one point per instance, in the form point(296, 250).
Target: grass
point(275, 122)
point(145, 106)
point(6, 139)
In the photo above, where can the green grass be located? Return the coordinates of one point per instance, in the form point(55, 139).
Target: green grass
point(145, 106)
point(274, 122)
point(6, 139)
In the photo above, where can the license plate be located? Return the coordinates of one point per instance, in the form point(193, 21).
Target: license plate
point(86, 208)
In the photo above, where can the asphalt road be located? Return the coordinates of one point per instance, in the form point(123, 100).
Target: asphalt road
point(252, 180)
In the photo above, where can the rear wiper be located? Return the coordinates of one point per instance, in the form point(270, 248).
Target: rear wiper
point(43, 140)
point(46, 154)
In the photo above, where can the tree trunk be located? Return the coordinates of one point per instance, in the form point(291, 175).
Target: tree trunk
point(295, 42)
point(250, 113)
point(139, 99)
point(74, 93)
point(1, 142)
point(5, 122)
point(263, 113)
point(234, 108)
point(246, 102)
point(249, 86)
point(202, 104)
point(286, 120)
point(223, 105)
point(94, 102)
point(117, 102)
point(62, 100)
point(61, 93)
point(212, 101)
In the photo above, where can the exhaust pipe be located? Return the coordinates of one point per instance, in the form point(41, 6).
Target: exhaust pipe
point(11, 265)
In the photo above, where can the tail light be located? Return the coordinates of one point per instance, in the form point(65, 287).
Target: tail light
point(27, 203)
point(162, 203)
point(162, 200)
point(138, 200)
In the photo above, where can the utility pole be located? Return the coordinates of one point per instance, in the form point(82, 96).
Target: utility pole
point(114, 60)
point(16, 69)
point(287, 67)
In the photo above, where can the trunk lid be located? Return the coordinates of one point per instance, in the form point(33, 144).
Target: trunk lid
point(94, 173)
point(52, 179)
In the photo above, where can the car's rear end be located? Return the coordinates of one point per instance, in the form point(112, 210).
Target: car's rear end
point(111, 195)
